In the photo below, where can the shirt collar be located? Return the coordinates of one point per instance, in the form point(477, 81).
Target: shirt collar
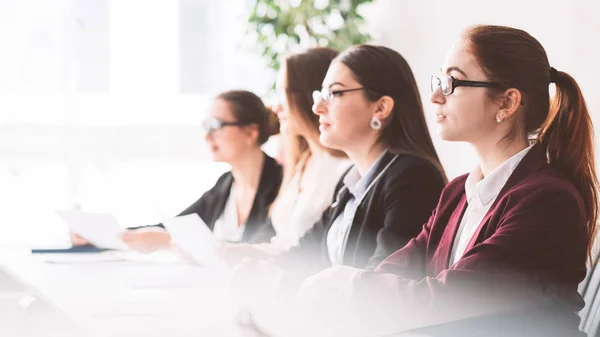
point(482, 190)
point(356, 184)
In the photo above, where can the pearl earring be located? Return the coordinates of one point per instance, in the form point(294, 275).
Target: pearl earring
point(375, 123)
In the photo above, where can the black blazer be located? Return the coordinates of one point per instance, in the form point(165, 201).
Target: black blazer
point(258, 229)
point(392, 212)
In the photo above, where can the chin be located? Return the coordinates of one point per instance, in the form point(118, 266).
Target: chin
point(327, 141)
point(447, 135)
point(217, 157)
point(452, 138)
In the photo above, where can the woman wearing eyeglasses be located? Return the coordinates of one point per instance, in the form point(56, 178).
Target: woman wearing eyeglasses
point(370, 108)
point(237, 208)
point(311, 170)
point(506, 247)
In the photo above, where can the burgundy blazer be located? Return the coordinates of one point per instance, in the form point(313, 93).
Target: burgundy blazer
point(525, 261)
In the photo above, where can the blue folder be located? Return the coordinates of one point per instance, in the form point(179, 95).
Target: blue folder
point(78, 249)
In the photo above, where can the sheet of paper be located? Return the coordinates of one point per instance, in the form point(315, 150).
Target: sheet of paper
point(79, 258)
point(161, 257)
point(101, 230)
point(191, 235)
point(158, 257)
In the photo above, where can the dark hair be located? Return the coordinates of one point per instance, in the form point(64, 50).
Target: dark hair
point(515, 59)
point(384, 72)
point(305, 72)
point(249, 108)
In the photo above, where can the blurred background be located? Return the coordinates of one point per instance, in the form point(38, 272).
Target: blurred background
point(101, 100)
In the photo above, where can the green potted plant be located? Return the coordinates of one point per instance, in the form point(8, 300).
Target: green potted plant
point(277, 27)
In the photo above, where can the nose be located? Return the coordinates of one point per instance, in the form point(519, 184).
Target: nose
point(319, 107)
point(208, 136)
point(437, 97)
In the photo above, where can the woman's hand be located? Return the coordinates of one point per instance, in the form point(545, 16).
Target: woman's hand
point(147, 240)
point(77, 240)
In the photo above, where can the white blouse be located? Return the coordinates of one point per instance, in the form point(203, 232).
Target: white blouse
point(295, 213)
point(226, 227)
point(481, 193)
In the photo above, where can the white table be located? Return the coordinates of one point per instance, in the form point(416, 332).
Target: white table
point(125, 298)
point(132, 298)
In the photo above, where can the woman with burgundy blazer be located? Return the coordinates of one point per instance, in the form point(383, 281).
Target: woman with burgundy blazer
point(506, 246)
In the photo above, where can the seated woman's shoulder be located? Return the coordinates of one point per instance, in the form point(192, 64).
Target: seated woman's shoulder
point(418, 168)
point(544, 183)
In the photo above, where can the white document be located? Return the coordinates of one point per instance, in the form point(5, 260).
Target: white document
point(77, 258)
point(191, 234)
point(101, 230)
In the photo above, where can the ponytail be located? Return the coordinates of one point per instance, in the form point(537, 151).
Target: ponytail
point(568, 135)
point(515, 59)
point(272, 127)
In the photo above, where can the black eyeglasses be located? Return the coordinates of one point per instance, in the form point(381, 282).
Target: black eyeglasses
point(212, 124)
point(448, 83)
point(328, 95)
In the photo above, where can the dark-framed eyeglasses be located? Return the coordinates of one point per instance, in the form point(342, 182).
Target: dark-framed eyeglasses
point(328, 95)
point(211, 124)
point(448, 83)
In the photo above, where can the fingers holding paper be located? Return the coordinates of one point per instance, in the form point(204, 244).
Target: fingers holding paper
point(77, 240)
point(147, 240)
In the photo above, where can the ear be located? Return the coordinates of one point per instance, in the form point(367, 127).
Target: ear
point(252, 133)
point(509, 104)
point(383, 107)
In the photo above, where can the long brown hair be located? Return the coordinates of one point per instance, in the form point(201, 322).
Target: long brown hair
point(562, 124)
point(384, 72)
point(304, 72)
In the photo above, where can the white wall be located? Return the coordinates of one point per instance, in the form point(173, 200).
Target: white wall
point(100, 106)
point(423, 31)
point(93, 90)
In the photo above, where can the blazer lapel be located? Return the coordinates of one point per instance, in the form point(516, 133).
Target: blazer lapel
point(335, 210)
point(531, 163)
point(442, 256)
point(339, 204)
point(259, 209)
point(221, 196)
point(351, 241)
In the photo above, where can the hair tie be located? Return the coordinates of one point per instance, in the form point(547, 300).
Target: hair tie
point(553, 75)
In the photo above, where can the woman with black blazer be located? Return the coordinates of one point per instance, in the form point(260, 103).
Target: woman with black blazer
point(403, 190)
point(212, 204)
point(236, 209)
point(370, 108)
